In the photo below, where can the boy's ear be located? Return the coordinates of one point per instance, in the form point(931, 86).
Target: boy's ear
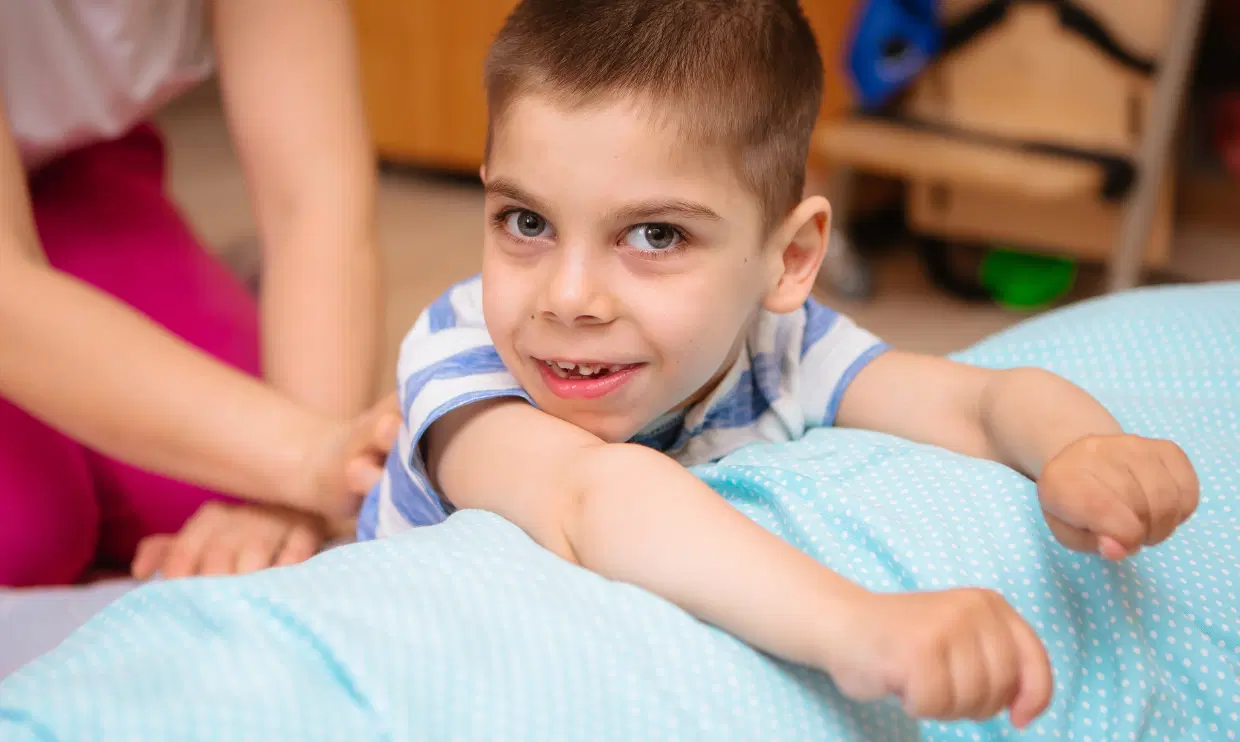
point(796, 251)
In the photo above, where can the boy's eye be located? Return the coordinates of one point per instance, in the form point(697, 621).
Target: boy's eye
point(526, 224)
point(654, 237)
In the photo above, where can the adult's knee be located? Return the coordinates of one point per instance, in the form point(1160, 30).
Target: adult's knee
point(49, 518)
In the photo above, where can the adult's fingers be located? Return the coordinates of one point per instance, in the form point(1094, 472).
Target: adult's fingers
point(362, 474)
point(189, 546)
point(260, 545)
point(301, 544)
point(150, 555)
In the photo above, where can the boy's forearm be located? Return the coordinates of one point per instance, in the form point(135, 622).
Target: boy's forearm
point(1030, 415)
point(643, 519)
point(634, 515)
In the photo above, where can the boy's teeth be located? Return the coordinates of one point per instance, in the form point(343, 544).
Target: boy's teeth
point(581, 369)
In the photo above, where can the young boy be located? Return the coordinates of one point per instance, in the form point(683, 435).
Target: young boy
point(644, 306)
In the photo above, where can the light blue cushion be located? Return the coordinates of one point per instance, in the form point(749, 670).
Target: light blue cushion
point(469, 631)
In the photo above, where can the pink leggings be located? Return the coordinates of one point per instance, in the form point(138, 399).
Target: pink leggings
point(104, 218)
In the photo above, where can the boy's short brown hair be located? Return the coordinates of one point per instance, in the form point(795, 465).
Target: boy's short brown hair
point(744, 75)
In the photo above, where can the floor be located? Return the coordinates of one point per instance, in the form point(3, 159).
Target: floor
point(430, 232)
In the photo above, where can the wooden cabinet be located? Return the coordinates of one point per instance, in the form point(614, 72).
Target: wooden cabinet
point(422, 77)
point(422, 73)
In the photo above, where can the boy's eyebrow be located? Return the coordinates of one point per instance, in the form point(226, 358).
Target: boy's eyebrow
point(673, 207)
point(669, 208)
point(510, 190)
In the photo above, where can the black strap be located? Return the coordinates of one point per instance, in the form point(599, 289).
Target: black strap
point(1071, 16)
point(1118, 172)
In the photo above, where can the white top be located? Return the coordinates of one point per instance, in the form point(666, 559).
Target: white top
point(73, 72)
point(789, 378)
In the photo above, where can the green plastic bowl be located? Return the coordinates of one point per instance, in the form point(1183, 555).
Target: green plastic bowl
point(1026, 282)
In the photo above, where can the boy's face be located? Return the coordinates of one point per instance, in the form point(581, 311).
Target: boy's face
point(621, 269)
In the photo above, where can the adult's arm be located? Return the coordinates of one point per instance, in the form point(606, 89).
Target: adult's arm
point(92, 367)
point(289, 75)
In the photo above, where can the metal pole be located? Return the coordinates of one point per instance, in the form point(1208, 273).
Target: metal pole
point(1169, 92)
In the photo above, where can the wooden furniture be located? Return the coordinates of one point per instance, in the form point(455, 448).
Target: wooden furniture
point(1028, 79)
point(422, 77)
point(422, 66)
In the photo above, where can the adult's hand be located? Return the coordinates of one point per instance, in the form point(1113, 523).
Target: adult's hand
point(349, 460)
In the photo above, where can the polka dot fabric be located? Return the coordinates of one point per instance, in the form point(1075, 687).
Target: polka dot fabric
point(467, 631)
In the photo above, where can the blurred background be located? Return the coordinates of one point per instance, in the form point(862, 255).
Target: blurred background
point(988, 159)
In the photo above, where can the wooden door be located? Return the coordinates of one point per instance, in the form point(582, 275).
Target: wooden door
point(422, 73)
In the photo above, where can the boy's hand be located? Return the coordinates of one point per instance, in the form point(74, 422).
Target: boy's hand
point(1111, 495)
point(954, 654)
point(347, 460)
point(227, 539)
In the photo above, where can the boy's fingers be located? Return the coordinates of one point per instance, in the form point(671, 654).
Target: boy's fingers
point(970, 680)
point(1036, 683)
point(1112, 516)
point(1070, 536)
point(1188, 488)
point(1090, 502)
point(1129, 487)
point(930, 692)
point(1111, 549)
point(1002, 666)
point(1163, 493)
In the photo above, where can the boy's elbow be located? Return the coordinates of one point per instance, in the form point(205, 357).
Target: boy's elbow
point(1023, 383)
point(608, 488)
point(1012, 393)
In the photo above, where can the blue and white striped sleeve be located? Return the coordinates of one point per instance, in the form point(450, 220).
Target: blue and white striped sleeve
point(833, 351)
point(447, 361)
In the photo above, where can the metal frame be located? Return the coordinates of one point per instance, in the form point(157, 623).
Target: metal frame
point(1125, 265)
point(848, 272)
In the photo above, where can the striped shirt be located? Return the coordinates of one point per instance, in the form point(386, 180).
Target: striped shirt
point(788, 379)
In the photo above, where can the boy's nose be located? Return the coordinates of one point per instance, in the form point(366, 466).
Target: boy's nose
point(574, 295)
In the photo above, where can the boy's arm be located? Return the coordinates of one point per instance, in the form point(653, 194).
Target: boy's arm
point(634, 515)
point(1020, 417)
point(1101, 490)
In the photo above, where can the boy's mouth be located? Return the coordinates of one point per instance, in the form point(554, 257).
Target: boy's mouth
point(585, 379)
point(574, 370)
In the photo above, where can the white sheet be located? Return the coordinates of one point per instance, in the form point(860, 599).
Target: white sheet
point(33, 622)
